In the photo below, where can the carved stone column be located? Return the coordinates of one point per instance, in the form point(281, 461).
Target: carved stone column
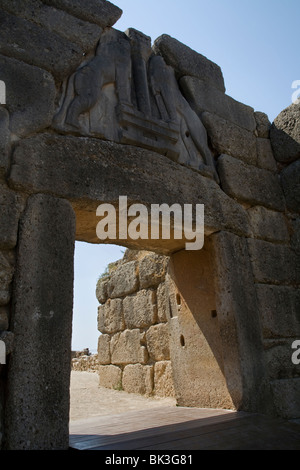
point(37, 410)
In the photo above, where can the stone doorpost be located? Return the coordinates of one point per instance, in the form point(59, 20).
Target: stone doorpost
point(37, 408)
point(216, 345)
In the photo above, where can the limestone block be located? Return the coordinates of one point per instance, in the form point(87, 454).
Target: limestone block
point(42, 326)
point(101, 12)
point(123, 281)
point(249, 184)
point(126, 348)
point(290, 180)
point(140, 310)
point(152, 270)
point(186, 61)
point(82, 33)
point(157, 338)
point(138, 379)
point(268, 225)
point(273, 263)
point(265, 157)
point(110, 317)
point(286, 393)
point(228, 138)
point(101, 290)
point(162, 303)
point(11, 205)
point(6, 275)
point(30, 96)
point(278, 356)
point(4, 138)
point(204, 97)
point(110, 377)
point(103, 349)
point(262, 124)
point(279, 308)
point(163, 379)
point(73, 168)
point(4, 317)
point(285, 134)
point(28, 42)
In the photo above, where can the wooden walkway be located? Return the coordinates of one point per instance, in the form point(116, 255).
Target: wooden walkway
point(175, 428)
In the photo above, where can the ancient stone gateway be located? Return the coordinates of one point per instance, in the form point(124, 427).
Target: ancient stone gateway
point(152, 123)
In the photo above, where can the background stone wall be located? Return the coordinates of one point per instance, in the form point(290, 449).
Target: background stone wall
point(133, 349)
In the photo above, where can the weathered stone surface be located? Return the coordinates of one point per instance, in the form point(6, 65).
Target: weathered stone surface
point(4, 317)
point(124, 281)
point(228, 138)
point(103, 349)
point(268, 225)
point(163, 379)
point(85, 34)
point(28, 42)
point(274, 263)
point(239, 323)
point(43, 304)
point(290, 181)
point(162, 306)
point(157, 338)
point(279, 307)
point(286, 395)
point(262, 124)
point(265, 157)
point(138, 379)
point(152, 270)
point(140, 310)
point(101, 12)
point(110, 317)
point(101, 290)
point(127, 348)
point(6, 275)
point(4, 138)
point(30, 95)
point(195, 342)
point(73, 168)
point(186, 61)
point(110, 377)
point(204, 97)
point(249, 184)
point(11, 205)
point(285, 134)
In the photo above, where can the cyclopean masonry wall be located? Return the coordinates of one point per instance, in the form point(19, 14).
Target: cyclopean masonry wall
point(92, 113)
point(133, 349)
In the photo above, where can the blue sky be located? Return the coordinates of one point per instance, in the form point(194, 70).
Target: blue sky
point(256, 44)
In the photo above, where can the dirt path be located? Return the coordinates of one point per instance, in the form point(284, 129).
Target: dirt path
point(88, 399)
